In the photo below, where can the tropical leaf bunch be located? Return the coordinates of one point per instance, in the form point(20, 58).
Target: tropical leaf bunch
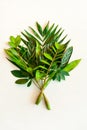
point(41, 55)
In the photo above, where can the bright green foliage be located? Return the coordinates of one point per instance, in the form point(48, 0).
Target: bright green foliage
point(41, 56)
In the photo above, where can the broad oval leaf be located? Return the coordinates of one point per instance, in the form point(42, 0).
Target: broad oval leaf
point(21, 81)
point(19, 73)
point(72, 65)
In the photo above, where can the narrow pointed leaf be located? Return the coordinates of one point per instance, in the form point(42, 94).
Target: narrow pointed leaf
point(72, 65)
point(48, 56)
point(35, 33)
point(46, 29)
point(44, 61)
point(29, 83)
point(66, 56)
point(39, 28)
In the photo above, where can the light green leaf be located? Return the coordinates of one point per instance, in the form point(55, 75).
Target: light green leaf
point(57, 45)
point(71, 65)
point(17, 40)
point(48, 56)
point(38, 49)
point(45, 62)
point(39, 75)
point(12, 39)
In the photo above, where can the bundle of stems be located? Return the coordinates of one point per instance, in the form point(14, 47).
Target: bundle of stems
point(41, 55)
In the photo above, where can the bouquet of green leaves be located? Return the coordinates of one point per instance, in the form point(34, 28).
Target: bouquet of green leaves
point(41, 56)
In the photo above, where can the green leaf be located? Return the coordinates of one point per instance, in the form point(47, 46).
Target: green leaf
point(62, 76)
point(46, 28)
point(17, 40)
point(39, 75)
point(48, 56)
point(29, 83)
point(39, 28)
point(64, 73)
point(49, 32)
point(38, 49)
point(72, 65)
point(14, 42)
point(61, 41)
point(45, 62)
point(12, 39)
point(21, 81)
point(20, 73)
point(66, 57)
point(35, 33)
point(58, 78)
point(57, 45)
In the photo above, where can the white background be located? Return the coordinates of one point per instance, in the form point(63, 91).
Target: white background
point(69, 98)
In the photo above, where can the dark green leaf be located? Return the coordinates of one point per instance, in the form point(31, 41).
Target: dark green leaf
point(29, 83)
point(66, 56)
point(20, 73)
point(49, 32)
point(46, 28)
point(21, 81)
point(39, 28)
point(64, 73)
point(35, 33)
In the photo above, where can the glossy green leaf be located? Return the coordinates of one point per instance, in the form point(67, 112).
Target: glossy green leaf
point(72, 65)
point(66, 56)
point(57, 45)
point(21, 81)
point(48, 56)
point(20, 73)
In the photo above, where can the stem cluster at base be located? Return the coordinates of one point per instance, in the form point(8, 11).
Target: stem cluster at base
point(40, 97)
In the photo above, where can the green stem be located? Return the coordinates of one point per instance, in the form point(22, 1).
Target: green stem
point(42, 95)
point(39, 98)
point(46, 102)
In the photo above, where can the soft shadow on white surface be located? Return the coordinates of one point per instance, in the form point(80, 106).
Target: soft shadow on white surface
point(69, 98)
